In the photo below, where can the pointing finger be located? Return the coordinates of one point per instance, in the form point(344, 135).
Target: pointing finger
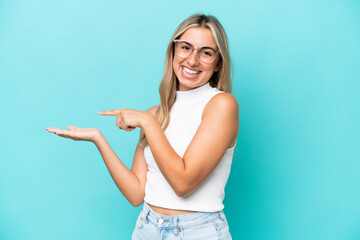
point(110, 112)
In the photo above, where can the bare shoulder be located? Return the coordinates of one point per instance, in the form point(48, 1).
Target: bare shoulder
point(153, 109)
point(222, 103)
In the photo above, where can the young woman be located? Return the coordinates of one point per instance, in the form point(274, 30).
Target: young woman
point(183, 158)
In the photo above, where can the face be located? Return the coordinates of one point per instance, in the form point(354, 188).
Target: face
point(190, 71)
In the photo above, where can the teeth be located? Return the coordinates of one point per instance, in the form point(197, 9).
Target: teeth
point(189, 71)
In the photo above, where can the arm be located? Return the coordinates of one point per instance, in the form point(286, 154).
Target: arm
point(130, 182)
point(217, 132)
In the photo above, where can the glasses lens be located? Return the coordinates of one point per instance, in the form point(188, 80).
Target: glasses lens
point(207, 55)
point(183, 49)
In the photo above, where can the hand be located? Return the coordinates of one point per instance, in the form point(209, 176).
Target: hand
point(76, 133)
point(127, 119)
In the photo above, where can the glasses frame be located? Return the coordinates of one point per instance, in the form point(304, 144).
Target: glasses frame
point(176, 41)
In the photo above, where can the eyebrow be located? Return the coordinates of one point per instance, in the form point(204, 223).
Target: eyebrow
point(204, 47)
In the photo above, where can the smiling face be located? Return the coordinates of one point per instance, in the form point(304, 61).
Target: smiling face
point(190, 71)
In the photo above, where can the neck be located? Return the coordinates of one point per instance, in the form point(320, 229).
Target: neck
point(193, 94)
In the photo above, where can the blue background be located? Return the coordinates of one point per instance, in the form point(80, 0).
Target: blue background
point(296, 63)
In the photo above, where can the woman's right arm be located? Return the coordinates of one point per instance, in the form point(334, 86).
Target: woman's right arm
point(130, 182)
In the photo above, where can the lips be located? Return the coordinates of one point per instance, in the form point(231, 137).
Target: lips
point(189, 73)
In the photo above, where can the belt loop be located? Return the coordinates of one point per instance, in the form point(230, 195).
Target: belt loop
point(142, 216)
point(176, 228)
point(146, 213)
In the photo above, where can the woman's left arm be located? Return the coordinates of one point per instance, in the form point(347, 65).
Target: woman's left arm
point(217, 131)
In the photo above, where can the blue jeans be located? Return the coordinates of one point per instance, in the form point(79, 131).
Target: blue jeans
point(193, 226)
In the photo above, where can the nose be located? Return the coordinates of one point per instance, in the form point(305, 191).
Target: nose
point(193, 58)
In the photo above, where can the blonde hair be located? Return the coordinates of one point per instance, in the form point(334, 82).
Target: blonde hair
point(168, 86)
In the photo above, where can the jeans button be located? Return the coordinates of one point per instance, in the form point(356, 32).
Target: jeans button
point(160, 221)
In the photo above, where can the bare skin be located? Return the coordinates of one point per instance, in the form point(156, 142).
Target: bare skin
point(216, 133)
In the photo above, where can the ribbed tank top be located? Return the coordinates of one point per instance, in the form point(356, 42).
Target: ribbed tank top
point(185, 118)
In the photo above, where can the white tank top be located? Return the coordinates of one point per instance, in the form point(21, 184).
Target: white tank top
point(185, 118)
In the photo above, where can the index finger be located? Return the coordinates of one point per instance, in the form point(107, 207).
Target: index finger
point(110, 112)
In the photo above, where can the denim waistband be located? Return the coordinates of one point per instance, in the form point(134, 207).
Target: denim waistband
point(179, 221)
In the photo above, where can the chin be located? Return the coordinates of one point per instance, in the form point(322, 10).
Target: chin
point(185, 85)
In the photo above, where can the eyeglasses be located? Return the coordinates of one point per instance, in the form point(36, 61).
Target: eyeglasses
point(184, 49)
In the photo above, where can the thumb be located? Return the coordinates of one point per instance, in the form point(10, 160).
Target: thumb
point(72, 127)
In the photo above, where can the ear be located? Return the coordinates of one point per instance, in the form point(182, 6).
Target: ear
point(217, 66)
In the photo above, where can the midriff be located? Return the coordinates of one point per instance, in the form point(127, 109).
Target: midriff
point(169, 212)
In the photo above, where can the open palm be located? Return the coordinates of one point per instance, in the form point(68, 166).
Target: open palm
point(76, 133)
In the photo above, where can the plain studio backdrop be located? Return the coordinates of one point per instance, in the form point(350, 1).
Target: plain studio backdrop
point(295, 173)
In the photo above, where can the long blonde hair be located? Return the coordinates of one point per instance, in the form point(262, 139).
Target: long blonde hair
point(168, 86)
